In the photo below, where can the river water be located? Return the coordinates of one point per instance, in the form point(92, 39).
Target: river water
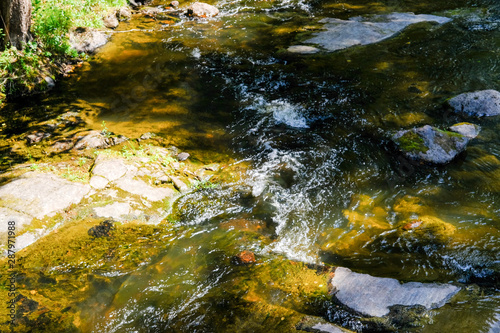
point(324, 178)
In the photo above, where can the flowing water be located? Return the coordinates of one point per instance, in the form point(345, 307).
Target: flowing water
point(324, 177)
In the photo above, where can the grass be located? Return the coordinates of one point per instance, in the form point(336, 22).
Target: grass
point(23, 71)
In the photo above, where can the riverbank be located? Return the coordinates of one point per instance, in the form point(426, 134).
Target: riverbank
point(51, 54)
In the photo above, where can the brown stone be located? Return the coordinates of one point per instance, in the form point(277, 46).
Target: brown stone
point(244, 258)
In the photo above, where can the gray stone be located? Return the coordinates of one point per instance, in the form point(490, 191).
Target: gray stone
point(179, 184)
point(117, 210)
point(111, 169)
point(373, 296)
point(341, 34)
point(36, 137)
point(62, 146)
point(139, 187)
point(430, 144)
point(201, 9)
point(302, 49)
point(124, 14)
point(87, 40)
point(93, 140)
point(466, 129)
point(98, 182)
point(479, 103)
point(111, 21)
point(182, 156)
point(50, 82)
point(119, 139)
point(41, 195)
point(147, 136)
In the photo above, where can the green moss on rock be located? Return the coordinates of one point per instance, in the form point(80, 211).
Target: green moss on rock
point(411, 142)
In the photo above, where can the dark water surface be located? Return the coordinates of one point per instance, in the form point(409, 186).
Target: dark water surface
point(325, 178)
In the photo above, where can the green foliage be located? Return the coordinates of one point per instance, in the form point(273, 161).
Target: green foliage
point(21, 70)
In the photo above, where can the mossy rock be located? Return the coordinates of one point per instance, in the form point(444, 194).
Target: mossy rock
point(411, 142)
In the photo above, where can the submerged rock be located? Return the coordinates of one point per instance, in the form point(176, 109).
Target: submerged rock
point(341, 34)
point(430, 144)
point(36, 137)
point(244, 258)
point(303, 49)
point(318, 325)
point(374, 296)
point(103, 229)
point(201, 9)
point(479, 103)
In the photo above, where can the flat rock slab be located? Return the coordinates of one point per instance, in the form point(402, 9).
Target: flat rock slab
point(19, 218)
point(373, 296)
point(117, 210)
point(139, 187)
point(39, 195)
point(341, 34)
point(111, 169)
point(479, 103)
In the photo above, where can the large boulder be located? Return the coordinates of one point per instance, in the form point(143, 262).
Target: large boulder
point(340, 34)
point(432, 145)
point(375, 296)
point(201, 9)
point(479, 103)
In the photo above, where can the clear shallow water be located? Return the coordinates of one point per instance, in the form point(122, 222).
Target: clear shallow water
point(325, 179)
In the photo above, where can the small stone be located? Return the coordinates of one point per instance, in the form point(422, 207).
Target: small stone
point(50, 82)
point(119, 139)
point(244, 258)
point(103, 229)
point(466, 129)
point(124, 14)
point(111, 21)
point(412, 225)
point(182, 157)
point(147, 136)
point(179, 185)
point(201, 9)
point(36, 137)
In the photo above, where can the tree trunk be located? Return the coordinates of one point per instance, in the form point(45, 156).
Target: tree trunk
point(15, 22)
